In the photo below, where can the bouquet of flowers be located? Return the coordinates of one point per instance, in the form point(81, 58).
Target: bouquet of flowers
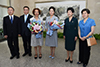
point(54, 25)
point(36, 27)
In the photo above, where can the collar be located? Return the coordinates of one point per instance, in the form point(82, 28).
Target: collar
point(86, 21)
point(38, 18)
point(52, 16)
point(27, 15)
point(10, 16)
point(71, 19)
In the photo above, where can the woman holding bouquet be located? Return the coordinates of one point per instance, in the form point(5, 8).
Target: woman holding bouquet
point(51, 40)
point(36, 42)
point(70, 33)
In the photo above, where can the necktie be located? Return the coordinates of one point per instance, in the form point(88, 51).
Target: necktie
point(25, 18)
point(11, 20)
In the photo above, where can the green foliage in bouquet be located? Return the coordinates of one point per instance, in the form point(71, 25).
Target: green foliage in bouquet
point(60, 23)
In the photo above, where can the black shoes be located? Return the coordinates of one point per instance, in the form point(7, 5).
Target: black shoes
point(84, 65)
point(66, 60)
point(40, 56)
point(35, 56)
point(24, 54)
point(79, 63)
point(17, 57)
point(71, 61)
point(30, 54)
point(12, 57)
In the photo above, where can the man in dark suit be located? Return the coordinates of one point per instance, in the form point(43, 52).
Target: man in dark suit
point(25, 32)
point(11, 27)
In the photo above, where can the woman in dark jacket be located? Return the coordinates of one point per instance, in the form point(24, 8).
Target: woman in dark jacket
point(70, 33)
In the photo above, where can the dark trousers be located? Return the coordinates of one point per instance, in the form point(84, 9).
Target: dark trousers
point(13, 45)
point(84, 51)
point(26, 43)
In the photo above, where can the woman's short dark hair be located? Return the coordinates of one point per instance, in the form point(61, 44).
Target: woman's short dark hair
point(87, 10)
point(52, 8)
point(36, 9)
point(70, 8)
point(11, 7)
point(26, 7)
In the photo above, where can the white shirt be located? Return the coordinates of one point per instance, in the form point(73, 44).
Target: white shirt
point(12, 17)
point(25, 17)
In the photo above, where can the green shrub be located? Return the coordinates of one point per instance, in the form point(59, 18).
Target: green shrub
point(44, 34)
point(1, 30)
point(97, 36)
point(60, 35)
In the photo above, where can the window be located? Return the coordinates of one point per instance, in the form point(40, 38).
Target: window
point(3, 10)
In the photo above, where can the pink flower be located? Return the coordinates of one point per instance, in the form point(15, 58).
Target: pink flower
point(32, 32)
point(55, 22)
point(37, 27)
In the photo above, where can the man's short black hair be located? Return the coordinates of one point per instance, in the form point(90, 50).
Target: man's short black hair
point(11, 7)
point(70, 8)
point(87, 10)
point(26, 7)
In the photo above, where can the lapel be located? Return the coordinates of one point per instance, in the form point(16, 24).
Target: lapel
point(23, 19)
point(10, 19)
point(27, 18)
point(86, 21)
point(14, 19)
point(71, 20)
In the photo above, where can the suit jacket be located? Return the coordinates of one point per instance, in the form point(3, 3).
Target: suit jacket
point(11, 29)
point(24, 28)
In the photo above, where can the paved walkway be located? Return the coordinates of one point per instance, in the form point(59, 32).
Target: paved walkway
point(59, 60)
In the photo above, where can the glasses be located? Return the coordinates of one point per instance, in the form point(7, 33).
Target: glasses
point(26, 10)
point(10, 10)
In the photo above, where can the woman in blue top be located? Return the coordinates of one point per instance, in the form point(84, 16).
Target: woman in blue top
point(86, 29)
